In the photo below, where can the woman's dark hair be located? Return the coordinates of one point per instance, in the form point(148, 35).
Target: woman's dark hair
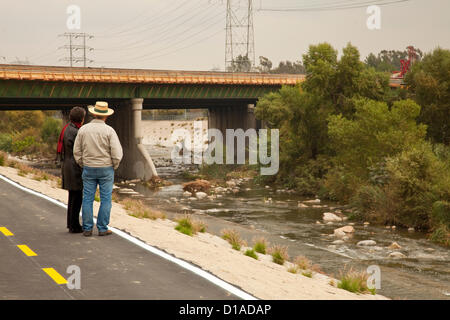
point(77, 114)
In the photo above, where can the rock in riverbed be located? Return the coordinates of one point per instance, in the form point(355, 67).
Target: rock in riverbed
point(328, 216)
point(366, 243)
point(200, 195)
point(397, 255)
point(394, 246)
point(316, 201)
point(187, 194)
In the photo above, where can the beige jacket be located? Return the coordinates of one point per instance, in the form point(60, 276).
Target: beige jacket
point(97, 145)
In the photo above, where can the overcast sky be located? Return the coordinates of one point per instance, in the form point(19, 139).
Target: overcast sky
point(190, 35)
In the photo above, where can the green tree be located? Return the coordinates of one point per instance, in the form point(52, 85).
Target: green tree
point(374, 133)
point(429, 84)
point(265, 65)
point(240, 64)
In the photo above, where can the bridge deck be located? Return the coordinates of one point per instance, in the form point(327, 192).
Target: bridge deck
point(67, 74)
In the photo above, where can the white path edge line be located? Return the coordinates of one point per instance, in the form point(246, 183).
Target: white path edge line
point(198, 271)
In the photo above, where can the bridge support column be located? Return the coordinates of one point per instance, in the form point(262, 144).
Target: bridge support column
point(235, 117)
point(136, 162)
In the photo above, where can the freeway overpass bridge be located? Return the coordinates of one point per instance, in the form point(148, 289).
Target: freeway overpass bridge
point(229, 97)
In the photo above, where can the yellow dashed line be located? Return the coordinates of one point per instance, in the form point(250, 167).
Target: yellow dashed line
point(27, 250)
point(59, 279)
point(6, 232)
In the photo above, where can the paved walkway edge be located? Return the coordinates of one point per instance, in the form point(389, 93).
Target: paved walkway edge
point(202, 273)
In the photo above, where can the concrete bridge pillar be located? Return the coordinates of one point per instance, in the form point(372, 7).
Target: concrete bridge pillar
point(234, 117)
point(136, 162)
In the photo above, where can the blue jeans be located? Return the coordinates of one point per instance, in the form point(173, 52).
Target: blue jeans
point(104, 178)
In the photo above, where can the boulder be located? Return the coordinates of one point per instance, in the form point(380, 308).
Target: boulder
point(201, 195)
point(394, 246)
point(315, 201)
point(366, 243)
point(338, 242)
point(397, 255)
point(302, 205)
point(331, 217)
point(411, 229)
point(348, 229)
point(187, 194)
point(231, 183)
point(339, 233)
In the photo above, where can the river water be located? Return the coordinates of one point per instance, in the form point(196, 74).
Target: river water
point(423, 274)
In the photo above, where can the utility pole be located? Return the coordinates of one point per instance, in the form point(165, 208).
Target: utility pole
point(240, 40)
point(74, 45)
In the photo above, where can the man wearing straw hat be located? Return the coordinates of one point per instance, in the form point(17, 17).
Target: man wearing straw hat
point(98, 151)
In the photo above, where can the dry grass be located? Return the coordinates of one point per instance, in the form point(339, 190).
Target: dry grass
point(234, 238)
point(354, 281)
point(279, 254)
point(303, 263)
point(293, 269)
point(197, 186)
point(137, 209)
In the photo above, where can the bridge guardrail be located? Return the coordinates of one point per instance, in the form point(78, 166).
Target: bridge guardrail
point(20, 72)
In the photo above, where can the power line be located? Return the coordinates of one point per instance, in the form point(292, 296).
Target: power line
point(165, 34)
point(334, 6)
point(175, 38)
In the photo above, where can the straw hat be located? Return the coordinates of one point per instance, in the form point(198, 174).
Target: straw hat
point(101, 109)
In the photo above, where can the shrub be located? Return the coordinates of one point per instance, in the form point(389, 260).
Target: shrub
point(279, 254)
point(6, 142)
point(189, 226)
point(260, 245)
point(251, 253)
point(441, 235)
point(293, 269)
point(354, 281)
point(50, 131)
point(233, 237)
point(3, 159)
point(303, 262)
point(307, 273)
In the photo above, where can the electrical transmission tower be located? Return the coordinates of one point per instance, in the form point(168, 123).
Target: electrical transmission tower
point(240, 41)
point(77, 41)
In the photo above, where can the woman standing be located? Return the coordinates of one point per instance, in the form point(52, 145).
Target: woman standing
point(71, 172)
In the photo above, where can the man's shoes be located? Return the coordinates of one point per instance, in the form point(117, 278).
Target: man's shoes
point(105, 233)
point(87, 233)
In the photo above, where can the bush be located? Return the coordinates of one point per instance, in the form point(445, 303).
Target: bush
point(189, 226)
point(260, 245)
point(279, 254)
point(50, 130)
point(3, 159)
point(5, 142)
point(251, 253)
point(233, 237)
point(354, 281)
point(303, 263)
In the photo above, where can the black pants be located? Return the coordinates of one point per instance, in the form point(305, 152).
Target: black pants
point(73, 209)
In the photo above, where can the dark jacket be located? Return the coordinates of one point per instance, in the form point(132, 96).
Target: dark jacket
point(71, 171)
